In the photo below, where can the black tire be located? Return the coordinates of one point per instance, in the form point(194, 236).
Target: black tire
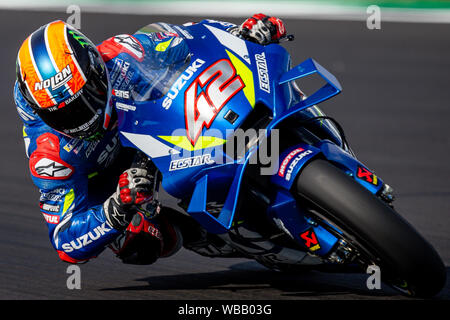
point(400, 251)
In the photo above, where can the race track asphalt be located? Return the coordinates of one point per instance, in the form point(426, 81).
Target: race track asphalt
point(395, 112)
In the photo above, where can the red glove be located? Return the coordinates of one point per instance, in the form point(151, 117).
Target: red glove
point(134, 187)
point(145, 241)
point(263, 29)
point(134, 190)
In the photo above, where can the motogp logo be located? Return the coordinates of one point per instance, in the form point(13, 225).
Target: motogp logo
point(207, 95)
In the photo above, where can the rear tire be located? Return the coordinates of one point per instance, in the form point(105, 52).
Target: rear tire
point(367, 222)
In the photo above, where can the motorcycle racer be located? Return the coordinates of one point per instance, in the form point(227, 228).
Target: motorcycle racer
point(92, 192)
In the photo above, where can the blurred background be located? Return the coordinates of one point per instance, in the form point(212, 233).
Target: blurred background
point(392, 59)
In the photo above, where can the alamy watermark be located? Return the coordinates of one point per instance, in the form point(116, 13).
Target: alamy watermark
point(74, 279)
point(75, 16)
point(374, 280)
point(260, 146)
point(373, 21)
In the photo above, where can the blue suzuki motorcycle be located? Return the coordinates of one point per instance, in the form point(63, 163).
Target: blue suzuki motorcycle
point(263, 172)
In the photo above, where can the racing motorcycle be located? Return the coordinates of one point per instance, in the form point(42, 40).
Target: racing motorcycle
point(264, 173)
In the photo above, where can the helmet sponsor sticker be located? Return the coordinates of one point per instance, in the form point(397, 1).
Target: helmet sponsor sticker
point(55, 82)
point(66, 102)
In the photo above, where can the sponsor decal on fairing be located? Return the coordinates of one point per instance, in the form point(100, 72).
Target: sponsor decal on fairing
point(219, 83)
point(294, 163)
point(125, 107)
point(310, 240)
point(286, 160)
point(367, 176)
point(181, 81)
point(293, 157)
point(263, 73)
point(190, 162)
point(110, 152)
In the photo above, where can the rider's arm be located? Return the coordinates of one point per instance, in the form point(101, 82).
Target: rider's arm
point(77, 229)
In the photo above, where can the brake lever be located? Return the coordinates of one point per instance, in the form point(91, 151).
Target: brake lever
point(289, 37)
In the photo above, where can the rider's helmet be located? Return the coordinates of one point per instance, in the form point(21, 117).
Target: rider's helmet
point(61, 74)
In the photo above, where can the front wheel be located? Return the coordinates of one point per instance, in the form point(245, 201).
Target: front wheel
point(406, 260)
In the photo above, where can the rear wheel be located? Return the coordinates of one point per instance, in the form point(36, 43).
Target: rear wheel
point(381, 236)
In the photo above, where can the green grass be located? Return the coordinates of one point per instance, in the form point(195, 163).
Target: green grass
point(403, 4)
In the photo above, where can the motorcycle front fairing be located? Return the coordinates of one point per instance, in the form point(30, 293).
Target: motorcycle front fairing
point(191, 170)
point(190, 151)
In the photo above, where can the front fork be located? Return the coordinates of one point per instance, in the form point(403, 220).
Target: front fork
point(320, 239)
point(293, 220)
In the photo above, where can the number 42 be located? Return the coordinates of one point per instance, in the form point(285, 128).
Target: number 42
point(222, 83)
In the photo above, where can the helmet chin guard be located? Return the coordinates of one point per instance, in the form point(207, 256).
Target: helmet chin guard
point(63, 77)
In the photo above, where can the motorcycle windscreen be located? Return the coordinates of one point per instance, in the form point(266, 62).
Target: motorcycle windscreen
point(157, 67)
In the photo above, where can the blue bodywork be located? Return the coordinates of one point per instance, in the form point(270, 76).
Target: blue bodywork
point(204, 173)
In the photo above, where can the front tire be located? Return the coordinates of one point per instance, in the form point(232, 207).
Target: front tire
point(406, 260)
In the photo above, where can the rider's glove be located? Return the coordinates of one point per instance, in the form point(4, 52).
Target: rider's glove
point(261, 29)
point(146, 240)
point(134, 190)
point(140, 244)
